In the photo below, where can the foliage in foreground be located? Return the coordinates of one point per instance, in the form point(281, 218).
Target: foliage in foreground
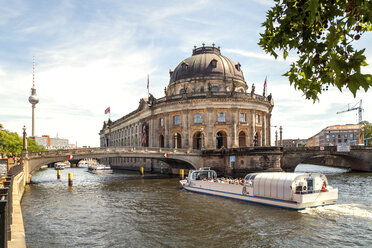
point(323, 33)
point(11, 143)
point(367, 130)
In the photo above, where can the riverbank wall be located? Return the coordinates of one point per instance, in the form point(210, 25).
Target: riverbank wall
point(18, 237)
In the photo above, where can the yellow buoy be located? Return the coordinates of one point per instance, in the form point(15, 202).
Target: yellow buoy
point(69, 179)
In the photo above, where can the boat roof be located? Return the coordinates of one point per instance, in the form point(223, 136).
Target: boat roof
point(284, 175)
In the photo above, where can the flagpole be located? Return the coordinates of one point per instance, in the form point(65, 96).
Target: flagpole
point(266, 86)
point(148, 86)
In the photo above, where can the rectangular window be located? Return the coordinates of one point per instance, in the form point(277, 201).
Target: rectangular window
point(161, 122)
point(198, 118)
point(176, 120)
point(242, 117)
point(221, 117)
point(258, 119)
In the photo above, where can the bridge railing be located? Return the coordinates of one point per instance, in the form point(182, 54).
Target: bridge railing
point(6, 204)
point(112, 149)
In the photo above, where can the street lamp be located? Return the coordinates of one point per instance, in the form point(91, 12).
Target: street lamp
point(281, 136)
point(24, 139)
point(276, 137)
point(202, 137)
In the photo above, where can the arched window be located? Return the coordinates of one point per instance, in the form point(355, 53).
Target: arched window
point(242, 139)
point(221, 140)
point(214, 63)
point(177, 140)
point(257, 139)
point(197, 141)
point(161, 140)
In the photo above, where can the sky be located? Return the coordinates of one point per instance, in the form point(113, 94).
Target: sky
point(90, 55)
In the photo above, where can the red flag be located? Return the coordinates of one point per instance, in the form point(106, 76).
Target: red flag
point(148, 81)
point(264, 89)
point(107, 110)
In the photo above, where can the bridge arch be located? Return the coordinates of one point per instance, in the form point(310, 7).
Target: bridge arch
point(180, 158)
point(358, 159)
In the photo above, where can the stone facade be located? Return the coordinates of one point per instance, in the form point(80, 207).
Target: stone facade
point(206, 106)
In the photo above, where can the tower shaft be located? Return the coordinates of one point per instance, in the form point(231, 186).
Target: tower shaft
point(33, 120)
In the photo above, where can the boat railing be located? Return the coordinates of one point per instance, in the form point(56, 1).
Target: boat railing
point(309, 192)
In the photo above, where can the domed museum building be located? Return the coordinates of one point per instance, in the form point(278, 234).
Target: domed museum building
point(207, 105)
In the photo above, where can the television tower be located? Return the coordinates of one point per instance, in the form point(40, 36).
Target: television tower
point(33, 99)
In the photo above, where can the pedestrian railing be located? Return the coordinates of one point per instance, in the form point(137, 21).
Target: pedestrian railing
point(6, 204)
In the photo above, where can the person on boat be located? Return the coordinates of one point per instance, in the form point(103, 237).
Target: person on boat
point(324, 187)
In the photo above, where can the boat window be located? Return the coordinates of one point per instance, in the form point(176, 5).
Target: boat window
point(310, 185)
point(200, 175)
point(250, 177)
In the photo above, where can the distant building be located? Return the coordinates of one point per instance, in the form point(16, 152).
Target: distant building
point(338, 135)
point(294, 142)
point(52, 143)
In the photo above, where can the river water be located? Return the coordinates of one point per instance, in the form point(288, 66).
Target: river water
point(125, 210)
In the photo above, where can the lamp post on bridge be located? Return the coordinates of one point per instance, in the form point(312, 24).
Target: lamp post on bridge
point(281, 136)
point(24, 139)
point(276, 137)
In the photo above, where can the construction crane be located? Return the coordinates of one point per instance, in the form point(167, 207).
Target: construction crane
point(360, 110)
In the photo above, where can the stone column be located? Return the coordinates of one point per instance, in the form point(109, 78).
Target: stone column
point(268, 129)
point(210, 142)
point(167, 131)
point(186, 129)
point(151, 132)
point(252, 123)
point(263, 138)
point(234, 121)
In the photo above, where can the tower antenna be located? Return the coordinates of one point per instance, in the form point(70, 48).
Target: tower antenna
point(33, 72)
point(33, 99)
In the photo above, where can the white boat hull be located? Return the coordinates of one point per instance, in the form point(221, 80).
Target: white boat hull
point(236, 192)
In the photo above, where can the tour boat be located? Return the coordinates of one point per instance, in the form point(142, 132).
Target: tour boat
point(287, 190)
point(99, 168)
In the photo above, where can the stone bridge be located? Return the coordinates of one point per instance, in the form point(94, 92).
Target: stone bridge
point(250, 159)
point(176, 158)
point(359, 158)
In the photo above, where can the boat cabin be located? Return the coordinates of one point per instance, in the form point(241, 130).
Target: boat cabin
point(284, 185)
point(202, 173)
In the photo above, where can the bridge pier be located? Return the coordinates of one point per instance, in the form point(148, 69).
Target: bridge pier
point(241, 161)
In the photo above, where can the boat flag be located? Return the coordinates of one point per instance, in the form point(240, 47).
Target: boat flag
point(107, 111)
point(264, 88)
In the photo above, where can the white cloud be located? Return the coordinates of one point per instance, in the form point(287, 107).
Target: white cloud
point(98, 55)
point(260, 55)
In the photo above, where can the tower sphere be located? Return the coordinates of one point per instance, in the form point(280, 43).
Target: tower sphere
point(33, 99)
